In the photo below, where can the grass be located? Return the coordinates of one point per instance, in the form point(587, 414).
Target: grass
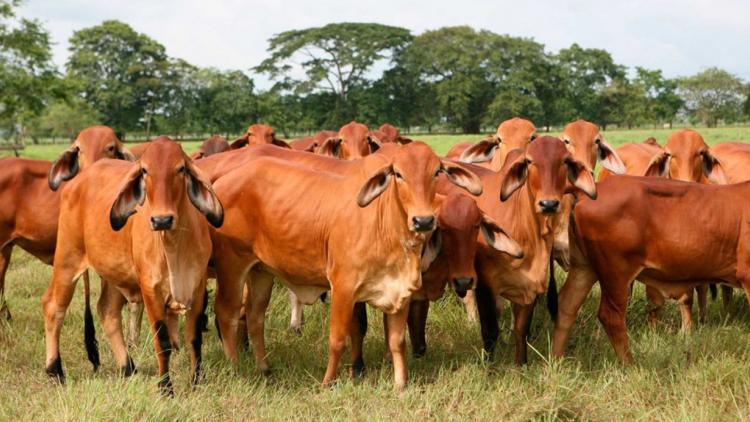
point(702, 375)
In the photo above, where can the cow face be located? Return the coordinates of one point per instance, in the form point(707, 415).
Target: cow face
point(354, 141)
point(214, 145)
point(164, 175)
point(511, 134)
point(92, 144)
point(587, 145)
point(259, 134)
point(546, 168)
point(414, 170)
point(459, 223)
point(687, 157)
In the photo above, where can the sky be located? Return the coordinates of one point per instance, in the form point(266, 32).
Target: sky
point(681, 37)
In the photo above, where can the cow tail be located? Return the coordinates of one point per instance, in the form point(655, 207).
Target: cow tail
point(713, 290)
point(552, 290)
point(89, 332)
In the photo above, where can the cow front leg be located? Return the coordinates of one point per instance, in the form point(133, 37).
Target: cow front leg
point(230, 282)
point(297, 314)
point(135, 317)
point(109, 308)
point(194, 331)
point(656, 303)
point(418, 310)
point(342, 309)
point(470, 304)
point(397, 344)
point(686, 310)
point(157, 317)
point(487, 309)
point(5, 254)
point(612, 306)
point(260, 288)
point(522, 316)
point(55, 303)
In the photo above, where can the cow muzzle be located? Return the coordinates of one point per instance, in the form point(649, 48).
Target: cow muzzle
point(549, 206)
point(162, 222)
point(423, 223)
point(462, 285)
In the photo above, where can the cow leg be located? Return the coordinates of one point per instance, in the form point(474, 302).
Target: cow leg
point(726, 296)
point(702, 291)
point(686, 310)
point(656, 302)
point(357, 332)
point(612, 306)
point(135, 316)
point(470, 303)
point(157, 317)
point(4, 262)
point(397, 345)
point(572, 295)
point(194, 331)
point(487, 309)
point(230, 282)
point(109, 308)
point(297, 314)
point(522, 316)
point(260, 288)
point(417, 320)
point(342, 311)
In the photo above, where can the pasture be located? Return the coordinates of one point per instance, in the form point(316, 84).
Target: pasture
point(702, 375)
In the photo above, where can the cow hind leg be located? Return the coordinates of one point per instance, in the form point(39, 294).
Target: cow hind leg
point(702, 291)
point(297, 314)
point(260, 288)
point(5, 254)
point(615, 285)
point(135, 318)
point(357, 333)
point(55, 303)
point(522, 316)
point(726, 296)
point(572, 295)
point(342, 311)
point(656, 303)
point(109, 308)
point(230, 282)
point(686, 310)
point(158, 321)
point(89, 331)
point(487, 309)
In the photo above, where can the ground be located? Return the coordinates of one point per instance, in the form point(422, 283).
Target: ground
point(698, 376)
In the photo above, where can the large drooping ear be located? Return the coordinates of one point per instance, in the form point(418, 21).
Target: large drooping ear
point(239, 143)
point(64, 168)
point(480, 152)
point(713, 169)
point(197, 155)
point(374, 186)
point(331, 147)
point(122, 153)
point(313, 146)
point(431, 250)
point(403, 141)
point(608, 157)
point(132, 192)
point(281, 143)
point(373, 143)
point(462, 177)
point(580, 177)
point(202, 195)
point(659, 165)
point(497, 238)
point(515, 176)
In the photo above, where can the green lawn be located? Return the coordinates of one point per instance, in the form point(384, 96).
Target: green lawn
point(703, 375)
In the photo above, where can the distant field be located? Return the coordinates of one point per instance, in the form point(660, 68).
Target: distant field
point(702, 375)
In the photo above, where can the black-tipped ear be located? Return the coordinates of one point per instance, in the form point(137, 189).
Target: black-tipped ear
point(202, 195)
point(132, 193)
point(281, 143)
point(609, 158)
point(480, 152)
point(713, 169)
point(497, 238)
point(515, 177)
point(462, 177)
point(239, 143)
point(331, 147)
point(580, 177)
point(374, 186)
point(658, 166)
point(64, 168)
point(373, 143)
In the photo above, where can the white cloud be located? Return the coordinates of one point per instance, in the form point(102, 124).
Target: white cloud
point(679, 37)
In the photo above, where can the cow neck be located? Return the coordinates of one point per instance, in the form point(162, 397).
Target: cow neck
point(533, 231)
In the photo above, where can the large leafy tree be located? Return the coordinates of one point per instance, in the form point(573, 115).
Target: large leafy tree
point(226, 103)
point(713, 95)
point(335, 58)
point(120, 72)
point(661, 93)
point(27, 76)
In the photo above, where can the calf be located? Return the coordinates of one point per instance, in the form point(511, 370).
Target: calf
point(161, 253)
point(313, 143)
point(259, 134)
point(648, 228)
point(354, 141)
point(511, 134)
point(387, 133)
point(357, 229)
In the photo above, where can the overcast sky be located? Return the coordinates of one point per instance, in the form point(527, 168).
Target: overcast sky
point(680, 37)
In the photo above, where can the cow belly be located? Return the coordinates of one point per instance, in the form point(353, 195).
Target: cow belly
point(306, 294)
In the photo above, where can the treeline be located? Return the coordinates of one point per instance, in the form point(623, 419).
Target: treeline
point(453, 78)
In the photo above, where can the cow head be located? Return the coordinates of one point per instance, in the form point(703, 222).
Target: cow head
point(213, 145)
point(354, 141)
point(546, 167)
point(388, 133)
point(459, 222)
point(587, 145)
point(92, 144)
point(414, 169)
point(511, 134)
point(165, 176)
point(259, 134)
point(687, 157)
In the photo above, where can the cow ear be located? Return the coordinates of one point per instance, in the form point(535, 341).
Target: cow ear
point(713, 169)
point(131, 193)
point(497, 238)
point(239, 143)
point(480, 152)
point(581, 177)
point(202, 195)
point(431, 250)
point(64, 168)
point(331, 147)
point(403, 141)
point(608, 157)
point(123, 153)
point(374, 186)
point(659, 165)
point(515, 177)
point(373, 143)
point(281, 143)
point(462, 177)
point(197, 155)
point(313, 146)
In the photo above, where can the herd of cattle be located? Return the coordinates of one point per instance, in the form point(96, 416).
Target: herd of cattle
point(375, 218)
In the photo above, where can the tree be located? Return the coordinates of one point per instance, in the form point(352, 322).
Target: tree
point(27, 76)
point(663, 101)
point(335, 58)
point(225, 101)
point(120, 72)
point(65, 118)
point(713, 95)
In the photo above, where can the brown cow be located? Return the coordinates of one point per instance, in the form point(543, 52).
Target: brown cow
point(354, 141)
point(259, 134)
point(28, 217)
point(313, 143)
point(685, 157)
point(647, 228)
point(213, 145)
point(387, 133)
point(357, 229)
point(161, 253)
point(735, 160)
point(511, 134)
point(542, 175)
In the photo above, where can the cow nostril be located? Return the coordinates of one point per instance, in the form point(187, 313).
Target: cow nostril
point(423, 223)
point(162, 222)
point(463, 283)
point(549, 205)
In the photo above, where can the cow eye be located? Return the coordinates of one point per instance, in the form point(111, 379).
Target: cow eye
point(567, 141)
point(532, 138)
point(182, 169)
point(111, 148)
point(398, 175)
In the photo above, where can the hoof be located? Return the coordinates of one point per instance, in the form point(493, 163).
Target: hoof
point(129, 369)
point(266, 372)
point(165, 387)
point(419, 351)
point(296, 331)
point(357, 370)
point(55, 371)
point(5, 313)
